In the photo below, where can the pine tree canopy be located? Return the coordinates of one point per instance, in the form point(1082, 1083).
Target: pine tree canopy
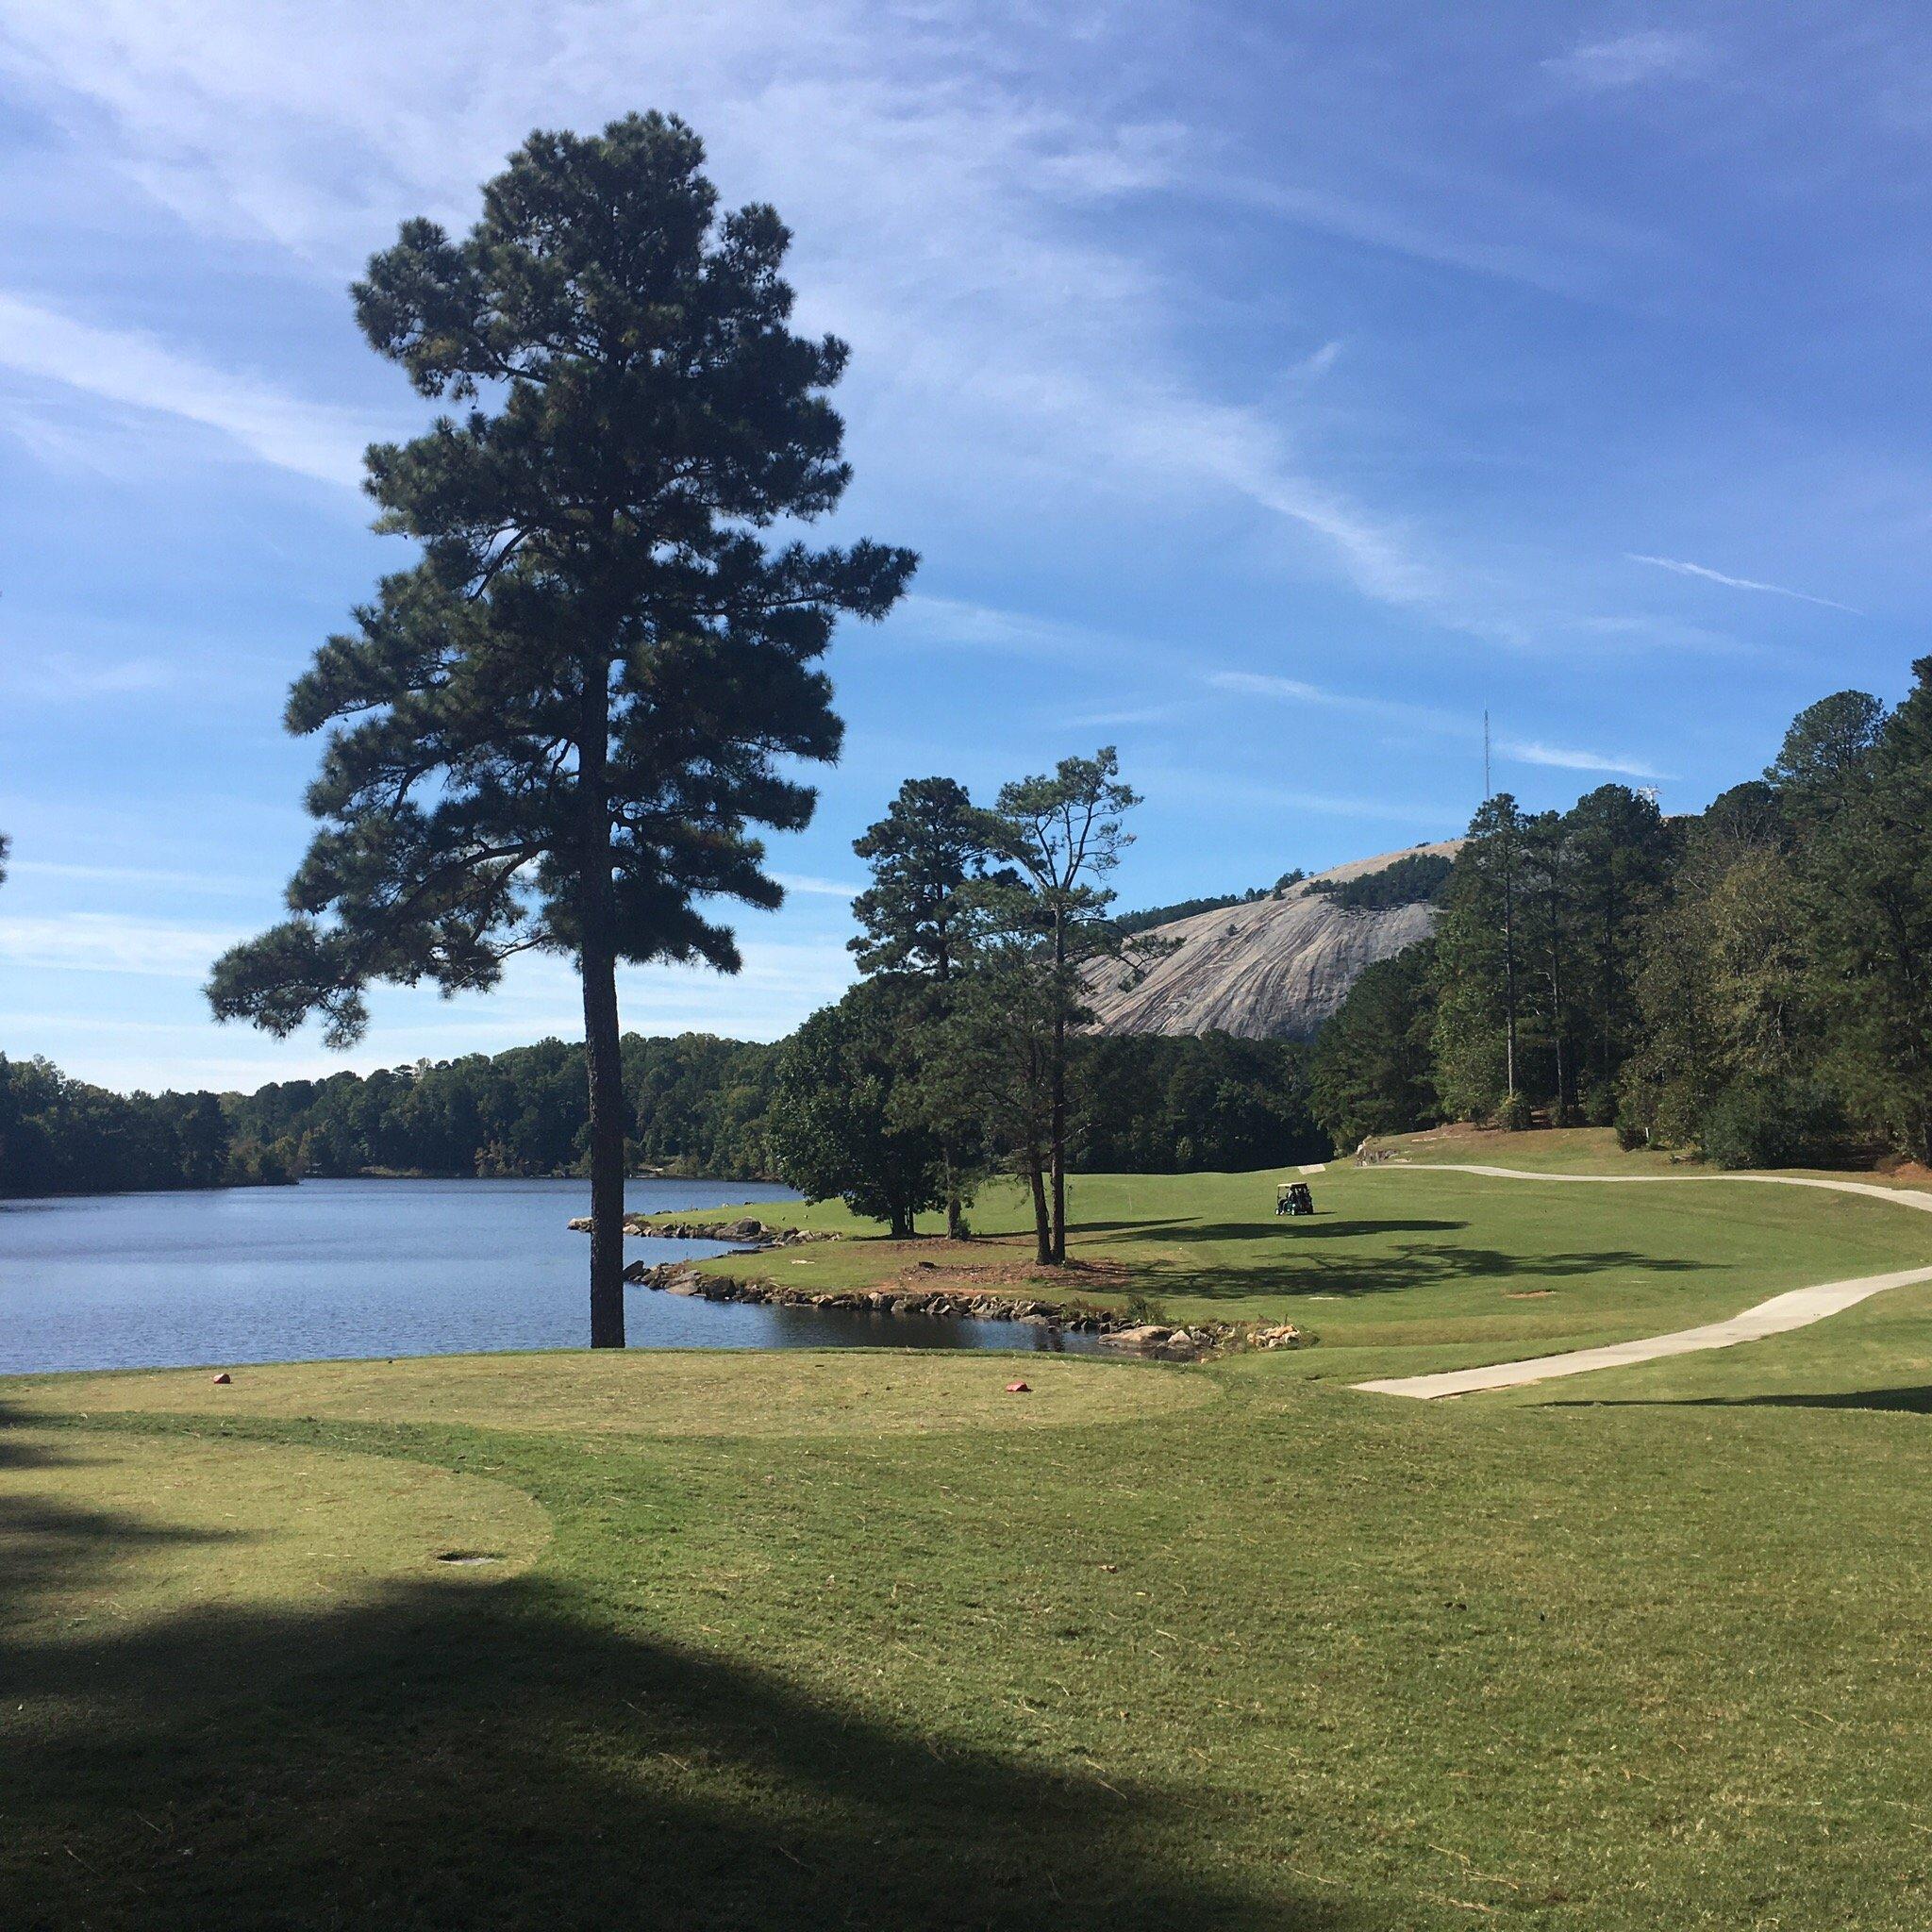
point(558, 728)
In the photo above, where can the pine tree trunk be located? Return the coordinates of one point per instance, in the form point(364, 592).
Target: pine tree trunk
point(1509, 979)
point(1556, 1040)
point(1057, 1141)
point(1057, 1249)
point(602, 1053)
point(943, 977)
point(603, 1061)
point(1042, 1225)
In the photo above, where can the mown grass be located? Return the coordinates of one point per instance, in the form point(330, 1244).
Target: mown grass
point(1634, 1650)
point(697, 1393)
point(1403, 1259)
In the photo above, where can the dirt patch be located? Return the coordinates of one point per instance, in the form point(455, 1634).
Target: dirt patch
point(1912, 1173)
point(941, 1267)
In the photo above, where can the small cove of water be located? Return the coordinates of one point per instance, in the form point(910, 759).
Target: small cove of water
point(348, 1268)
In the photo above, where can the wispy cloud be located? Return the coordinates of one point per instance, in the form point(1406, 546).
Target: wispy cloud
point(943, 212)
point(1718, 577)
point(1631, 60)
point(134, 370)
point(112, 942)
point(960, 624)
point(1263, 684)
point(62, 676)
point(817, 888)
point(135, 876)
point(1530, 752)
point(1429, 718)
point(1319, 362)
point(1108, 719)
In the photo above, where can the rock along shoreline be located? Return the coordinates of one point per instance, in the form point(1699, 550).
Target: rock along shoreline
point(1112, 1327)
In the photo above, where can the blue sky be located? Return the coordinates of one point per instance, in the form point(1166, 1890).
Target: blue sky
point(1268, 390)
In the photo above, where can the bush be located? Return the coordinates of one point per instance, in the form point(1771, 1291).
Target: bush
point(1631, 1134)
point(1764, 1121)
point(1515, 1113)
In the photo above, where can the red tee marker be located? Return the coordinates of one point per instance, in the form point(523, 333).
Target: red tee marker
point(224, 1377)
point(1019, 1389)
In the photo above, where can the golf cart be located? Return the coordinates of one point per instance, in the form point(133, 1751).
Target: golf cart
point(1293, 1197)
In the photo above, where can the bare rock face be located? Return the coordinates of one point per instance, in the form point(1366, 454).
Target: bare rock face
point(1273, 968)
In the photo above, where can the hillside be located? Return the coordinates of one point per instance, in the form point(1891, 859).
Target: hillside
point(1273, 968)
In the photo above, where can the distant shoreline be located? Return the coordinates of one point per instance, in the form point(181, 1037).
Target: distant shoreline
point(384, 1174)
point(644, 1173)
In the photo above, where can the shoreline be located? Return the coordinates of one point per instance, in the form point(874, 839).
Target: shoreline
point(1112, 1327)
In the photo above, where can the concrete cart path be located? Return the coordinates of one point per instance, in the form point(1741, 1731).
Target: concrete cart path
point(1797, 1308)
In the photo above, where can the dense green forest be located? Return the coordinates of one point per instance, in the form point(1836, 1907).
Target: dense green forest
point(697, 1106)
point(700, 1106)
point(1754, 982)
point(59, 1136)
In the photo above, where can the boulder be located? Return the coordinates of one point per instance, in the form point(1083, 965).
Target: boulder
point(1146, 1335)
point(1279, 1335)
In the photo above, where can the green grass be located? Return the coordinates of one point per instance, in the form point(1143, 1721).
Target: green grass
point(864, 1641)
point(1407, 1262)
point(698, 1393)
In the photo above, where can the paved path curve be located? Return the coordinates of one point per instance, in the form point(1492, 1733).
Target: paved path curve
point(1797, 1309)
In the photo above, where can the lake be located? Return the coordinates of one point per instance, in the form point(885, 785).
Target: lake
point(341, 1269)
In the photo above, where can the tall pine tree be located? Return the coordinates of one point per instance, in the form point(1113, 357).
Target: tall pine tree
point(915, 920)
point(1063, 833)
point(558, 730)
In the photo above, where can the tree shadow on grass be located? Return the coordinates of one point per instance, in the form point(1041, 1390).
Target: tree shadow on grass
point(1292, 1227)
point(476, 1754)
point(1405, 1267)
point(44, 1540)
point(1286, 1227)
point(1886, 1401)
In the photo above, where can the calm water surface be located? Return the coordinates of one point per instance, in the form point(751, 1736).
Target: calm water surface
point(375, 1268)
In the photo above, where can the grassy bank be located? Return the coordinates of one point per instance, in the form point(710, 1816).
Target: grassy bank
point(1397, 1261)
point(864, 1640)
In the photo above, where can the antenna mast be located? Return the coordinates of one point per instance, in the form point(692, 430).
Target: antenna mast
point(1488, 793)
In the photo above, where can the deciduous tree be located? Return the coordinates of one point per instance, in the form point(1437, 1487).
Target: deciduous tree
point(840, 1125)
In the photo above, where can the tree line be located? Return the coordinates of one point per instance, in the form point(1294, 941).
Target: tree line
point(60, 1136)
point(1754, 982)
point(695, 1105)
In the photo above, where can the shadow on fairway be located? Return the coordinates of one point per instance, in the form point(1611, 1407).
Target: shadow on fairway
point(1885, 1401)
point(1293, 1228)
point(493, 1754)
point(1287, 1226)
point(1403, 1268)
point(44, 1541)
